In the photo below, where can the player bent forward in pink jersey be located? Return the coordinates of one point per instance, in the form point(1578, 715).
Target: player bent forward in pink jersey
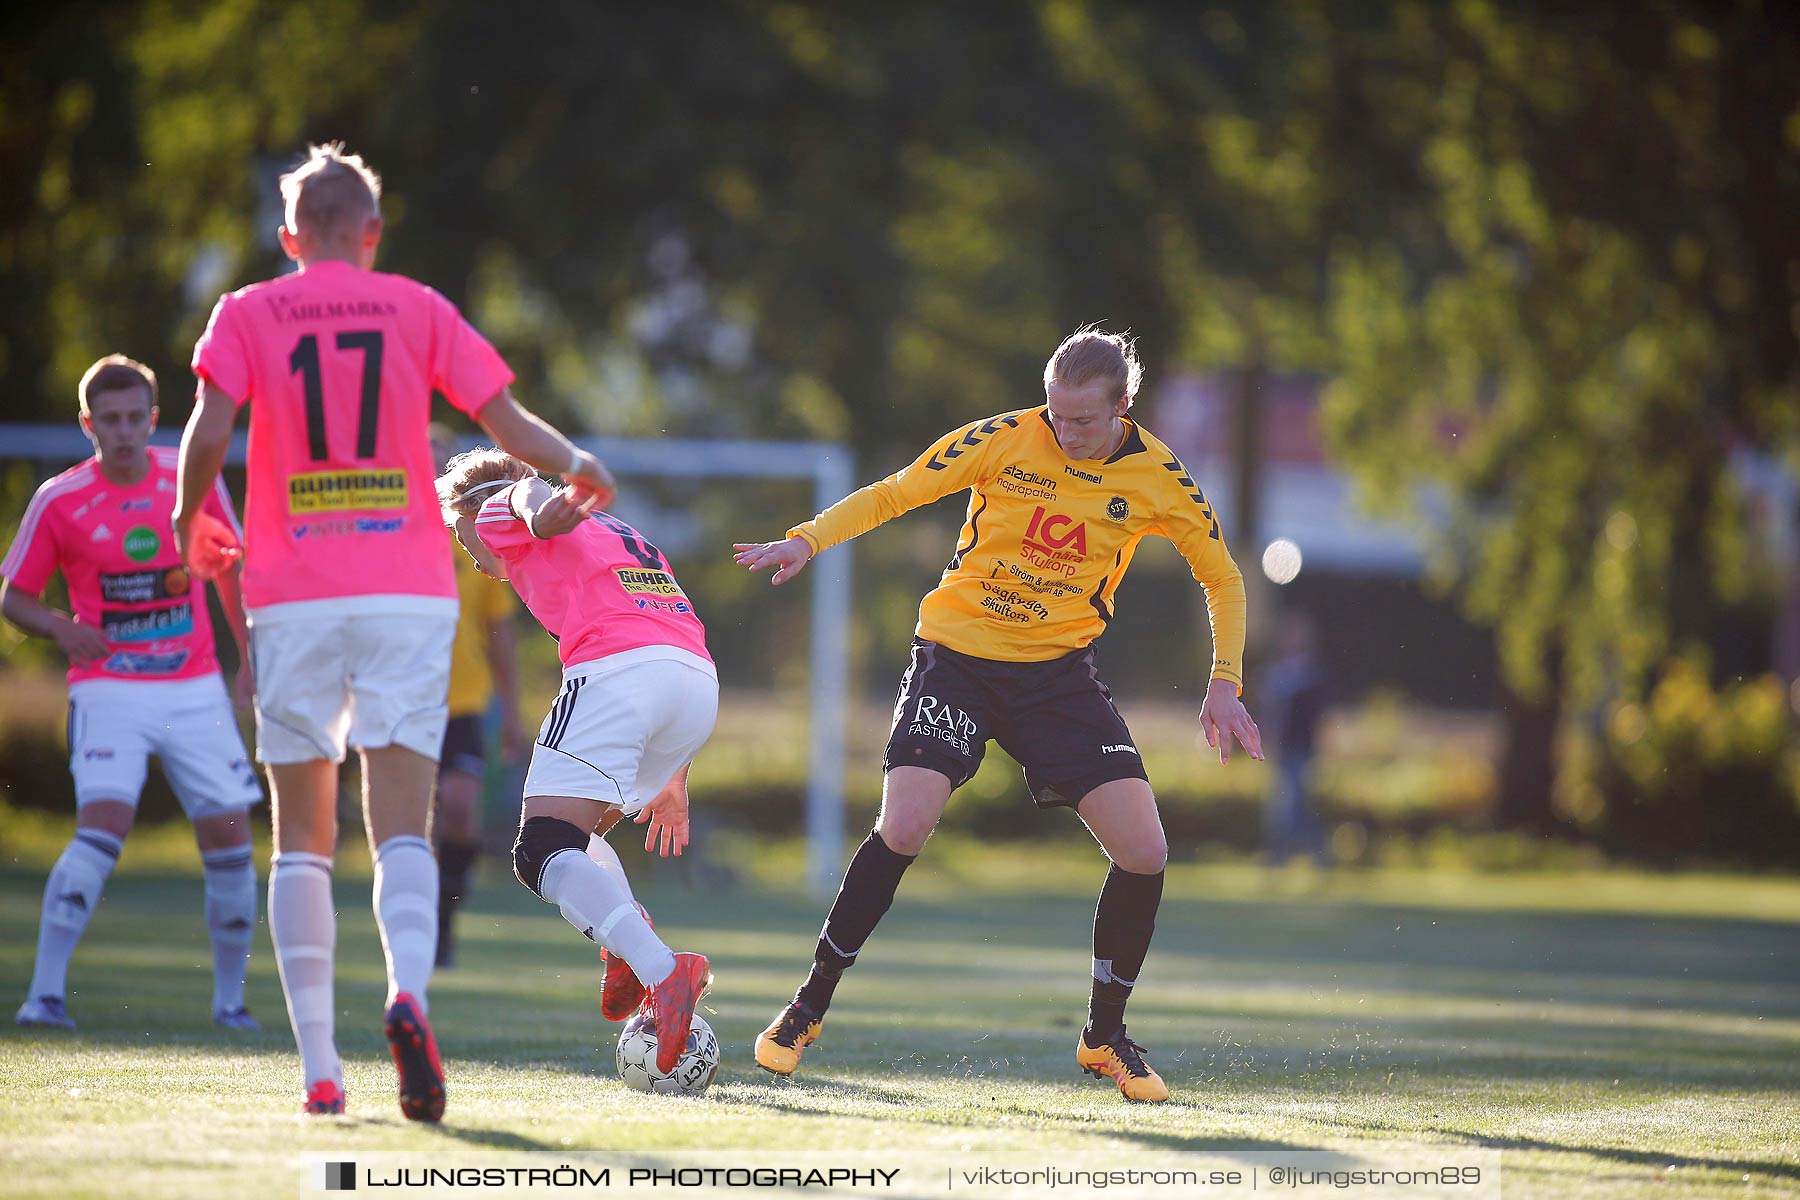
point(349, 582)
point(143, 680)
point(638, 700)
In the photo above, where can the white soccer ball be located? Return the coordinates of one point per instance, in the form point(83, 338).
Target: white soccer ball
point(693, 1072)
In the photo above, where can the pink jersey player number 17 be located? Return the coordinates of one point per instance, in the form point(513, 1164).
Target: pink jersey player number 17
point(341, 364)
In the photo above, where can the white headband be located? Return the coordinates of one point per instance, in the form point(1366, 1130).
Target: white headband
point(482, 487)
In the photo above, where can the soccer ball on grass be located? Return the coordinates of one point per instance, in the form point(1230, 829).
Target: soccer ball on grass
point(693, 1072)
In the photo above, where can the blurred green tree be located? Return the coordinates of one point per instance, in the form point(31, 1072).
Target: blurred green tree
point(1591, 310)
point(1546, 253)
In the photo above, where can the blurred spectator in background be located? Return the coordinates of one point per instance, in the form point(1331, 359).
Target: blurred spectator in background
point(1294, 700)
point(483, 669)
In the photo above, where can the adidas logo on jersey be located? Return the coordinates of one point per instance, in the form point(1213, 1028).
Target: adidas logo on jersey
point(101, 534)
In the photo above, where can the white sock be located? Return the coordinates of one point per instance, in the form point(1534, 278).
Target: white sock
point(70, 896)
point(601, 851)
point(406, 912)
point(303, 926)
point(598, 905)
point(231, 919)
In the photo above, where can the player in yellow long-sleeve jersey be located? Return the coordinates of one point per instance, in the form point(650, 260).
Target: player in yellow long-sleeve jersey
point(482, 670)
point(1060, 496)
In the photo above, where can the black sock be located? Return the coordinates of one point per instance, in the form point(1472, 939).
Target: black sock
point(862, 900)
point(454, 861)
point(1123, 922)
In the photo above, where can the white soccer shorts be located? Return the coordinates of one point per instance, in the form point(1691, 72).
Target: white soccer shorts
point(329, 680)
point(115, 725)
point(623, 725)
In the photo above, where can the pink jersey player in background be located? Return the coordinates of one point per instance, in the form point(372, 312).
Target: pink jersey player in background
point(638, 700)
point(143, 680)
point(348, 579)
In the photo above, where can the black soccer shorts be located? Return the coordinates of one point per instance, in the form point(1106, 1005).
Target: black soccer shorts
point(1055, 718)
point(465, 747)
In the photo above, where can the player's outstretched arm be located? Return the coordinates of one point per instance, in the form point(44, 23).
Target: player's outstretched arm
point(788, 557)
point(82, 643)
point(1224, 717)
point(525, 435)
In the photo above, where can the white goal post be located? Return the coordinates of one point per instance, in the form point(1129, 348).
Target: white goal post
point(830, 466)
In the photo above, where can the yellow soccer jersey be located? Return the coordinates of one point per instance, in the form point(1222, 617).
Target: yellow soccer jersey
point(484, 601)
point(1047, 538)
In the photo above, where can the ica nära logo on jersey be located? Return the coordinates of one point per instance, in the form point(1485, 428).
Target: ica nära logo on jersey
point(1054, 542)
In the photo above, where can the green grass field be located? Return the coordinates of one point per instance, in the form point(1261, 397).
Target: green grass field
point(1612, 1034)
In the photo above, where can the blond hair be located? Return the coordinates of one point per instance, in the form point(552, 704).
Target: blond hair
point(1091, 353)
point(459, 489)
point(114, 373)
point(331, 194)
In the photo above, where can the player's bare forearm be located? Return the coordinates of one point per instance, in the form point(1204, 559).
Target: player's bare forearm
point(525, 435)
point(83, 644)
point(231, 599)
point(546, 511)
point(528, 437)
point(29, 613)
point(203, 445)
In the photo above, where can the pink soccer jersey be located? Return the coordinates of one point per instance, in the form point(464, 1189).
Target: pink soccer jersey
point(113, 546)
point(600, 589)
point(339, 365)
